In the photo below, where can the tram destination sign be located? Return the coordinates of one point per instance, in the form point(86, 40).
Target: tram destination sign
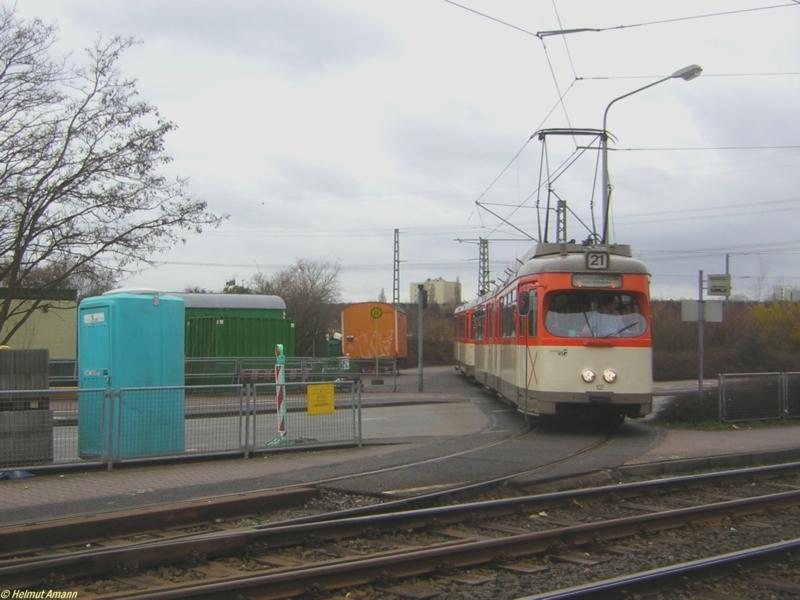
point(597, 261)
point(719, 285)
point(597, 280)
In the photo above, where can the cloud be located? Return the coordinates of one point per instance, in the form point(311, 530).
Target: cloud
point(313, 179)
point(355, 118)
point(749, 112)
point(300, 38)
point(452, 151)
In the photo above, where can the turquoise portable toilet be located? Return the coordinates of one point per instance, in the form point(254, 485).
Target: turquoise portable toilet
point(131, 339)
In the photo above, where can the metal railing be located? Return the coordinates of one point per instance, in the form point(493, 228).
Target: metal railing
point(64, 427)
point(297, 369)
point(235, 370)
point(759, 396)
point(63, 372)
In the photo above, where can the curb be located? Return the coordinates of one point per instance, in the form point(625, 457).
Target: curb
point(630, 472)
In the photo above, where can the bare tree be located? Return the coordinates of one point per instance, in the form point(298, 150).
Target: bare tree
point(310, 289)
point(84, 280)
point(81, 189)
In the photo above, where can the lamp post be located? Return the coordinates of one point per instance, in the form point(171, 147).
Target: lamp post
point(686, 73)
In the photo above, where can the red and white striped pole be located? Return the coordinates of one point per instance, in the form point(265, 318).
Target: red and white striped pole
point(280, 389)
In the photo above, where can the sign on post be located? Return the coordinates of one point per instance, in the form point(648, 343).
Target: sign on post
point(376, 312)
point(712, 311)
point(719, 285)
point(320, 399)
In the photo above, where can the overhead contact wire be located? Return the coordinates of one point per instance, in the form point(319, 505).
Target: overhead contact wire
point(558, 88)
point(551, 33)
point(566, 46)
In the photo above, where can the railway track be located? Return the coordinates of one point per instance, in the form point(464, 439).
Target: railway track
point(727, 566)
point(178, 520)
point(528, 534)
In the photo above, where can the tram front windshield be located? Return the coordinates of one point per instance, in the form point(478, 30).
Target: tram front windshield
point(595, 315)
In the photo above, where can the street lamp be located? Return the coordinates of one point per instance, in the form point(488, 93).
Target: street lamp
point(686, 73)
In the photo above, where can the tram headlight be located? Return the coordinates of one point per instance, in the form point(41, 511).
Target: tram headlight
point(588, 375)
point(610, 375)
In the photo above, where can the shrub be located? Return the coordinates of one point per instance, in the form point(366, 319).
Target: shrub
point(688, 408)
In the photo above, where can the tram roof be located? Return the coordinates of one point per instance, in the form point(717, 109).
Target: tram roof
point(571, 258)
point(565, 258)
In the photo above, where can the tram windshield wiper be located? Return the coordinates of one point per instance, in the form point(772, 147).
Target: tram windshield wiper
point(618, 331)
point(588, 324)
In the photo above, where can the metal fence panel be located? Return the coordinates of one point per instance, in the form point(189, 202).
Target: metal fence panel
point(304, 369)
point(751, 396)
point(45, 432)
point(315, 413)
point(215, 418)
point(63, 372)
point(792, 395)
point(149, 422)
point(54, 427)
point(168, 421)
point(23, 369)
point(211, 371)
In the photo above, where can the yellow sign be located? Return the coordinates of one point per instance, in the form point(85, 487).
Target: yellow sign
point(320, 398)
point(376, 312)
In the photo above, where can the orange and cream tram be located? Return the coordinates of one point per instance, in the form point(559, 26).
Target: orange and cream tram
point(567, 335)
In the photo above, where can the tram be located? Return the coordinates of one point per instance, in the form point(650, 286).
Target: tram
point(567, 334)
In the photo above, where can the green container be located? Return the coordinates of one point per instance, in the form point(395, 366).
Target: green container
point(255, 313)
point(259, 306)
point(238, 336)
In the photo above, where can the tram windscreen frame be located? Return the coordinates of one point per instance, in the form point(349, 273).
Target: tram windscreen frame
point(595, 314)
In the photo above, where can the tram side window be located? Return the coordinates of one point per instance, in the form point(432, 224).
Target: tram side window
point(477, 325)
point(461, 329)
point(532, 313)
point(595, 315)
point(500, 314)
point(509, 320)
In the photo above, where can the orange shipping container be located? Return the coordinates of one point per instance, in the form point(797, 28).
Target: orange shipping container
point(373, 330)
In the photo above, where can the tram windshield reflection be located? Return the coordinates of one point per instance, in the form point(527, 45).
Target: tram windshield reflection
point(595, 315)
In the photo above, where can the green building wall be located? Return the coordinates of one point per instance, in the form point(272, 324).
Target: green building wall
point(237, 336)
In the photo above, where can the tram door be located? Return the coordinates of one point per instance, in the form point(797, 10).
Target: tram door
point(529, 310)
point(494, 358)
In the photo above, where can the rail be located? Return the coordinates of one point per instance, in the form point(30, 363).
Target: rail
point(466, 551)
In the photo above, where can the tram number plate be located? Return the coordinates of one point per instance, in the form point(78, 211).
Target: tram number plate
point(597, 261)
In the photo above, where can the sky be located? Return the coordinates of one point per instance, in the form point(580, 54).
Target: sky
point(321, 126)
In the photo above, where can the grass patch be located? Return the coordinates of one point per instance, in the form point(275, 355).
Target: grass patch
point(688, 411)
point(719, 426)
point(688, 408)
